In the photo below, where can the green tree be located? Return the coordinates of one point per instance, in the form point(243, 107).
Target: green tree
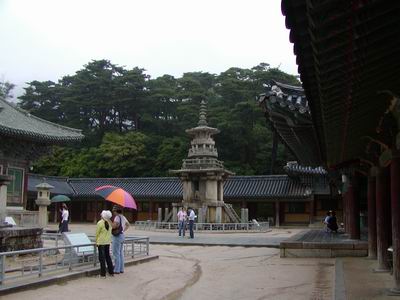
point(42, 99)
point(123, 155)
point(170, 154)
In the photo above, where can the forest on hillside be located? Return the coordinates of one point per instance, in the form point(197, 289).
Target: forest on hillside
point(134, 125)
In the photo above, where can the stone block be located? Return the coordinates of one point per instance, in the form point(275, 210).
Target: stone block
point(20, 238)
point(308, 253)
point(291, 245)
point(349, 253)
point(361, 245)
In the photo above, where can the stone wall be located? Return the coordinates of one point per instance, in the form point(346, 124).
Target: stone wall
point(18, 238)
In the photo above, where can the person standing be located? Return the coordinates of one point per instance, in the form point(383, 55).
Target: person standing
point(191, 218)
point(182, 215)
point(327, 220)
point(103, 241)
point(332, 222)
point(120, 225)
point(64, 218)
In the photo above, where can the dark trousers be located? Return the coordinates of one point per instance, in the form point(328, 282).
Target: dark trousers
point(63, 226)
point(104, 257)
point(191, 222)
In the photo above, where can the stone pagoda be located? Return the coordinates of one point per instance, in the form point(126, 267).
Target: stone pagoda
point(203, 176)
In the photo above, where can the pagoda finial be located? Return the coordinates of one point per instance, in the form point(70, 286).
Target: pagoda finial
point(203, 114)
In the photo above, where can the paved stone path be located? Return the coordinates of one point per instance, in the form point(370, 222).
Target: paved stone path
point(257, 239)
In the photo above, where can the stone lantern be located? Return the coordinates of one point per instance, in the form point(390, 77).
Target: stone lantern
point(43, 200)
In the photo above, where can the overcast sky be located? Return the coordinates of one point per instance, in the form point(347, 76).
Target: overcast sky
point(47, 39)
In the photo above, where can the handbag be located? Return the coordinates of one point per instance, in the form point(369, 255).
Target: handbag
point(117, 231)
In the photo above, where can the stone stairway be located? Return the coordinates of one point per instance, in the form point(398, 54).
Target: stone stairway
point(231, 213)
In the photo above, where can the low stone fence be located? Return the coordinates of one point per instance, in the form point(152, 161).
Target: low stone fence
point(24, 218)
point(31, 263)
point(209, 227)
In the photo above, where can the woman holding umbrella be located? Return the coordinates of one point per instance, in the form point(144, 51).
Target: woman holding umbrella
point(64, 218)
point(120, 225)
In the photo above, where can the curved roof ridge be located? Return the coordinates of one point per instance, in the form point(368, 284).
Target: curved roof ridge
point(121, 178)
point(21, 122)
point(28, 114)
point(48, 176)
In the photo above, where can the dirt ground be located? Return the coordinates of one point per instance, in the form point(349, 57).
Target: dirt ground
point(197, 272)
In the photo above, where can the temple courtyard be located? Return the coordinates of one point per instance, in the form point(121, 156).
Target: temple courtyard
point(216, 271)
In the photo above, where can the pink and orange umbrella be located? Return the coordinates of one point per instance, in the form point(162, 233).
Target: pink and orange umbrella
point(117, 196)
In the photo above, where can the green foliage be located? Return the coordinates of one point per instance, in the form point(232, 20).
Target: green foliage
point(123, 155)
point(170, 154)
point(135, 126)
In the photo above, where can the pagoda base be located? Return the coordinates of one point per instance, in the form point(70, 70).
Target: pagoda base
point(209, 212)
point(20, 238)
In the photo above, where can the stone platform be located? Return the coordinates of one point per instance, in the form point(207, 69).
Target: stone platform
point(318, 243)
point(20, 238)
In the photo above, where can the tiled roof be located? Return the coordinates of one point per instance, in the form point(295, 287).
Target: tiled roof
point(140, 188)
point(60, 184)
point(286, 95)
point(16, 122)
point(266, 187)
point(286, 108)
point(347, 52)
point(248, 187)
point(295, 168)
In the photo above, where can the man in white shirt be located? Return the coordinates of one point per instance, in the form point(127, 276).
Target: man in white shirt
point(191, 218)
point(182, 221)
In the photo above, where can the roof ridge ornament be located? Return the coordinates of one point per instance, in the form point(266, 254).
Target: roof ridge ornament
point(203, 114)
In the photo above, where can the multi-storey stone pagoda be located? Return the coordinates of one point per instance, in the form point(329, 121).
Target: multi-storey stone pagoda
point(203, 175)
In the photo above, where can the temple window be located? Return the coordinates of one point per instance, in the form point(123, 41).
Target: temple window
point(15, 188)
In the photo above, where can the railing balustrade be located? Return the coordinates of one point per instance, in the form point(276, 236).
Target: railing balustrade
point(30, 263)
point(153, 225)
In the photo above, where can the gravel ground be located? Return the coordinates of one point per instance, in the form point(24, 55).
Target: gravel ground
point(198, 272)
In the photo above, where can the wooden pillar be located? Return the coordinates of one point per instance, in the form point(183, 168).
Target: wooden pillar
point(150, 210)
point(95, 212)
point(345, 212)
point(371, 216)
point(277, 211)
point(353, 210)
point(312, 210)
point(81, 213)
point(382, 224)
point(395, 208)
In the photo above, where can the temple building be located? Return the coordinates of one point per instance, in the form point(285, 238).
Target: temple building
point(300, 197)
point(348, 60)
point(24, 138)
